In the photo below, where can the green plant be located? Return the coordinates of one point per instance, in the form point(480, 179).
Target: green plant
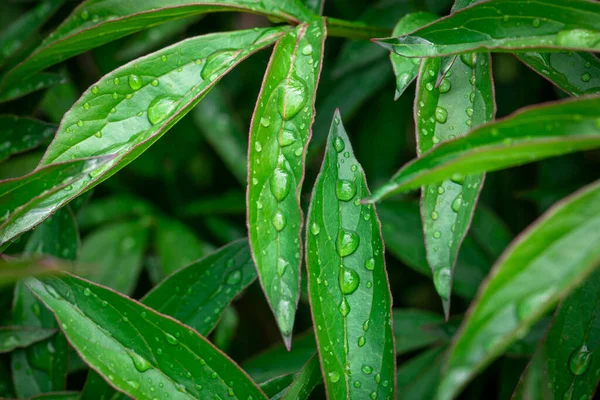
point(151, 232)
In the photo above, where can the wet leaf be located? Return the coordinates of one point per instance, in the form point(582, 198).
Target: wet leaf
point(279, 135)
point(20, 134)
point(57, 396)
point(139, 350)
point(553, 256)
point(348, 287)
point(12, 337)
point(506, 25)
point(275, 388)
point(526, 136)
point(305, 382)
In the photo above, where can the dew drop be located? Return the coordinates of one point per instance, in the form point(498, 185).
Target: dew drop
point(445, 86)
point(286, 138)
point(135, 82)
point(357, 384)
point(95, 89)
point(258, 147)
point(293, 95)
point(116, 81)
point(279, 221)
point(86, 106)
point(468, 59)
point(361, 341)
point(280, 184)
point(345, 190)
point(265, 122)
point(139, 362)
point(457, 203)
point(367, 369)
point(307, 50)
point(338, 144)
point(349, 280)
point(458, 179)
point(217, 62)
point(170, 339)
point(429, 86)
point(234, 277)
point(441, 115)
point(347, 243)
point(579, 362)
point(404, 79)
point(315, 228)
point(373, 395)
point(161, 108)
point(87, 292)
point(344, 307)
point(536, 23)
point(80, 123)
point(334, 376)
point(586, 77)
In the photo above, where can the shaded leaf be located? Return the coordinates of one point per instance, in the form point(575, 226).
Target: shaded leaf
point(316, 6)
point(276, 387)
point(348, 287)
point(12, 337)
point(21, 134)
point(111, 209)
point(229, 203)
point(279, 135)
point(415, 329)
point(12, 271)
point(57, 396)
point(31, 84)
point(225, 330)
point(418, 378)
point(305, 382)
point(177, 245)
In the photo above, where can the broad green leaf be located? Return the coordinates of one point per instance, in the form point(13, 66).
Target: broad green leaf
point(214, 117)
point(225, 330)
point(133, 106)
point(177, 245)
point(529, 135)
point(406, 69)
point(506, 25)
point(111, 209)
point(555, 254)
point(58, 100)
point(112, 255)
point(31, 84)
point(57, 396)
point(28, 200)
point(305, 382)
point(141, 352)
point(348, 287)
point(96, 22)
point(12, 271)
point(566, 357)
point(418, 378)
point(463, 99)
point(279, 135)
point(415, 329)
point(12, 337)
point(21, 134)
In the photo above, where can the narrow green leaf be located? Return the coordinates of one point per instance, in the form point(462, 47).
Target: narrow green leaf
point(147, 96)
point(533, 385)
point(224, 230)
point(529, 135)
point(12, 271)
point(406, 69)
point(305, 382)
point(28, 200)
point(96, 22)
point(418, 378)
point(138, 349)
point(555, 254)
point(21, 134)
point(279, 135)
point(111, 209)
point(225, 330)
point(348, 287)
point(112, 255)
point(415, 329)
point(275, 388)
point(12, 337)
point(228, 203)
point(31, 84)
point(57, 396)
point(566, 357)
point(506, 25)
point(463, 99)
point(177, 245)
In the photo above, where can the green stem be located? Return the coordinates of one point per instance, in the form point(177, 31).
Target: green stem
point(354, 30)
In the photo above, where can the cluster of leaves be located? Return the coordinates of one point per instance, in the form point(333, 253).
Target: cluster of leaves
point(74, 308)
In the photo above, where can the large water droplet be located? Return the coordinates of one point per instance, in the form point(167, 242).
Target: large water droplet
point(347, 242)
point(334, 376)
point(218, 61)
point(458, 179)
point(140, 363)
point(344, 307)
point(279, 221)
point(338, 144)
point(293, 94)
point(315, 229)
point(441, 115)
point(586, 77)
point(367, 369)
point(445, 86)
point(457, 203)
point(234, 277)
point(161, 108)
point(579, 362)
point(468, 59)
point(345, 190)
point(280, 183)
point(349, 280)
point(442, 282)
point(135, 82)
point(370, 264)
point(286, 138)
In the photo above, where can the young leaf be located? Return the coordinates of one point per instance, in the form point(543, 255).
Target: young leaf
point(177, 245)
point(133, 106)
point(113, 255)
point(140, 351)
point(12, 337)
point(31, 84)
point(279, 135)
point(526, 136)
point(305, 382)
point(21, 134)
point(96, 22)
point(463, 99)
point(419, 377)
point(565, 356)
point(28, 200)
point(348, 287)
point(405, 68)
point(555, 254)
point(506, 25)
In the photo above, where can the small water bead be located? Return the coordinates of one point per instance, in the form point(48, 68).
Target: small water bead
point(373, 395)
point(361, 341)
point(357, 384)
point(378, 378)
point(349, 280)
point(435, 140)
point(429, 86)
point(115, 96)
point(345, 190)
point(280, 184)
point(370, 264)
point(457, 203)
point(334, 376)
point(468, 59)
point(171, 339)
point(80, 123)
point(586, 77)
point(441, 115)
point(445, 86)
point(307, 50)
point(154, 82)
point(347, 242)
point(139, 362)
point(579, 361)
point(258, 147)
point(265, 122)
point(135, 82)
point(367, 369)
point(344, 307)
point(234, 277)
point(441, 281)
point(116, 81)
point(536, 23)
point(369, 285)
point(161, 108)
point(286, 137)
point(434, 215)
point(315, 228)
point(86, 106)
point(217, 62)
point(95, 89)
point(87, 292)
point(279, 221)
point(437, 234)
point(459, 179)
point(338, 144)
point(293, 95)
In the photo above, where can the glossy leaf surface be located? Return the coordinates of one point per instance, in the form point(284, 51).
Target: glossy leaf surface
point(506, 25)
point(138, 349)
point(406, 69)
point(305, 382)
point(96, 22)
point(348, 287)
point(549, 259)
point(22, 134)
point(463, 99)
point(529, 135)
point(12, 337)
point(279, 135)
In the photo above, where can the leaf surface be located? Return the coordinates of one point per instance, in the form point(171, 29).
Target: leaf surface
point(12, 271)
point(348, 287)
point(551, 257)
point(419, 377)
point(526, 136)
point(141, 352)
point(506, 25)
point(21, 134)
point(279, 135)
point(415, 329)
point(31, 84)
point(305, 382)
point(12, 337)
point(177, 245)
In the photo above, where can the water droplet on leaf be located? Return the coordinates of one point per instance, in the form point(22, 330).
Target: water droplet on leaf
point(161, 108)
point(347, 242)
point(345, 190)
point(349, 280)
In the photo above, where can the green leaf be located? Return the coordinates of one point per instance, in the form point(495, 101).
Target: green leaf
point(6, 389)
point(415, 329)
point(177, 245)
point(305, 382)
point(96, 22)
point(419, 377)
point(348, 287)
point(160, 91)
point(565, 358)
point(275, 388)
point(31, 84)
point(28, 200)
point(463, 99)
point(112, 209)
point(20, 134)
point(12, 337)
point(555, 254)
point(406, 69)
point(316, 6)
point(506, 25)
point(225, 330)
point(279, 135)
point(228, 203)
point(138, 349)
point(12, 271)
point(57, 396)
point(112, 256)
point(529, 135)
point(96, 388)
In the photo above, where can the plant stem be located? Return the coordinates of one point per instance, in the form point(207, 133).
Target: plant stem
point(354, 30)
